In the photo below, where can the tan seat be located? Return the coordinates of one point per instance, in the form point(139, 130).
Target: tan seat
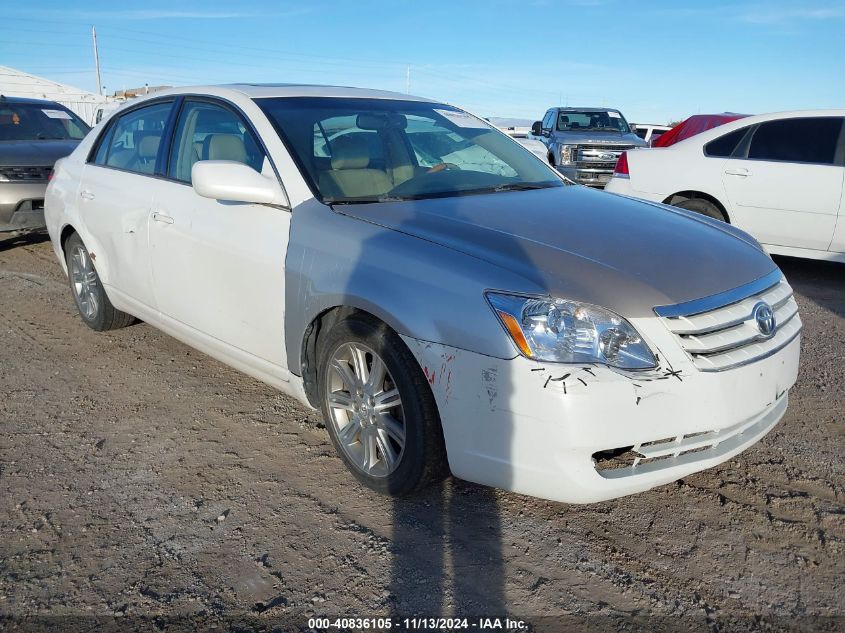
point(224, 147)
point(147, 151)
point(350, 175)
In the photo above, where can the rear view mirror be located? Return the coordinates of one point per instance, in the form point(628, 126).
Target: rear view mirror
point(537, 128)
point(235, 182)
point(381, 121)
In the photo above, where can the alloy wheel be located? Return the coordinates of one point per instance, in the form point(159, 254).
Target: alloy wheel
point(365, 409)
point(84, 282)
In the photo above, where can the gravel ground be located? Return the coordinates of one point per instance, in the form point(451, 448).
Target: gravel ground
point(143, 483)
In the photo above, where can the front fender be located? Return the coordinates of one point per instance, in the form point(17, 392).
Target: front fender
point(418, 288)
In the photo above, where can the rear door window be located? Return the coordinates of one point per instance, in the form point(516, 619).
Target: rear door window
point(806, 140)
point(132, 142)
point(724, 146)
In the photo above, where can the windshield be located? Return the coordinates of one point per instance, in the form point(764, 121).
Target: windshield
point(378, 150)
point(39, 122)
point(607, 120)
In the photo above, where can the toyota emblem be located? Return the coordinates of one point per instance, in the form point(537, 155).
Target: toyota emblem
point(764, 316)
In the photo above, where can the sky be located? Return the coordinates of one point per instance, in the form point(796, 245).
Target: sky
point(655, 61)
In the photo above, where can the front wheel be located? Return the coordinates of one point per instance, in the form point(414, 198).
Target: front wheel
point(94, 306)
point(379, 409)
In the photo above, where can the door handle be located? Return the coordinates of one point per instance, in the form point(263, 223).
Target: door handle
point(739, 171)
point(161, 217)
point(86, 195)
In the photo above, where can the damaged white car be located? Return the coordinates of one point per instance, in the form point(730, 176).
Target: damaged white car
point(446, 299)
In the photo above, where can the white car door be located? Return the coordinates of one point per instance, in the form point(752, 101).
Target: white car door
point(116, 200)
point(788, 189)
point(218, 267)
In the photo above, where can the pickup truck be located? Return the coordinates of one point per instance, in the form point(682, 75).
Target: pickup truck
point(584, 143)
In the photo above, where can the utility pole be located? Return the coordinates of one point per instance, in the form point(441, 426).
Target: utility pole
point(97, 60)
point(408, 80)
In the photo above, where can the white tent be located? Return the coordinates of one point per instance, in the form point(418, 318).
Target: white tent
point(15, 83)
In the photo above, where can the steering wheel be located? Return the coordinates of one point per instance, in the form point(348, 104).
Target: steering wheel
point(442, 167)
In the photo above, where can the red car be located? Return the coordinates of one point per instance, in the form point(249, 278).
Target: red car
point(696, 124)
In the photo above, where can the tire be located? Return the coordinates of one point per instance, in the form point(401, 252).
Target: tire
point(353, 421)
point(90, 297)
point(704, 207)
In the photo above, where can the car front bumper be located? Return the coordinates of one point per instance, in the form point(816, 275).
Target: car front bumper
point(21, 206)
point(543, 429)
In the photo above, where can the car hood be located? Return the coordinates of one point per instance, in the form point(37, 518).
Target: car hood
point(599, 138)
point(34, 153)
point(584, 245)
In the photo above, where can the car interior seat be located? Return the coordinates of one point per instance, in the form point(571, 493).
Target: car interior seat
point(146, 151)
point(350, 175)
point(224, 147)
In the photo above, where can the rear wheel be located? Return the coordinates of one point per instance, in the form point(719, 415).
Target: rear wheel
point(94, 306)
point(379, 409)
point(704, 207)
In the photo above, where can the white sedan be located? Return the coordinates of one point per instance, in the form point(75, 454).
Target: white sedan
point(778, 176)
point(445, 298)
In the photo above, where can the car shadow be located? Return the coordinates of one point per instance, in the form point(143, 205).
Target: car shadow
point(820, 281)
point(446, 544)
point(14, 240)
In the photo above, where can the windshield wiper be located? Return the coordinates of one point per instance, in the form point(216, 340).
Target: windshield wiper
point(522, 186)
point(368, 200)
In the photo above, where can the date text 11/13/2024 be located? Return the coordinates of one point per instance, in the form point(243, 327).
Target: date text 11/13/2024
point(417, 623)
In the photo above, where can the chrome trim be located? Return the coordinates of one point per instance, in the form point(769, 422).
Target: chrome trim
point(721, 300)
point(742, 343)
point(729, 325)
point(771, 352)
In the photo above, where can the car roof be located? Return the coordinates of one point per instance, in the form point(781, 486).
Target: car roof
point(46, 102)
point(707, 135)
point(575, 109)
point(259, 91)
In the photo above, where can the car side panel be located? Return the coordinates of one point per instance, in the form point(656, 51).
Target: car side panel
point(413, 285)
point(785, 204)
point(61, 203)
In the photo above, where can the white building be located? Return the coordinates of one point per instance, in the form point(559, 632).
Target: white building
point(16, 83)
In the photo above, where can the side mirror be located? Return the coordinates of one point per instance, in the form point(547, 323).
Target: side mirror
point(633, 127)
point(235, 182)
point(537, 128)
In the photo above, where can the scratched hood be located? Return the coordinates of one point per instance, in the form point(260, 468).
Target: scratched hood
point(34, 153)
point(585, 245)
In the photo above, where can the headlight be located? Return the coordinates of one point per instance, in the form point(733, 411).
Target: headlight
point(4, 177)
point(561, 331)
point(567, 154)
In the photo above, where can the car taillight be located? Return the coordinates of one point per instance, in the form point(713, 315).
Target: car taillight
point(621, 168)
point(51, 174)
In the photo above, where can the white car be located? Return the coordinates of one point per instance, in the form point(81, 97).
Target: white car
point(777, 176)
point(445, 298)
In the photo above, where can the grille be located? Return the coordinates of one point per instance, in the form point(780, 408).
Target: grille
point(26, 174)
point(727, 335)
point(600, 153)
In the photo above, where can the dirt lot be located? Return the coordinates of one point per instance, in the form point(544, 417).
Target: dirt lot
point(141, 478)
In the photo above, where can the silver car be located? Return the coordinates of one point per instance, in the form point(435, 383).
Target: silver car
point(446, 300)
point(34, 134)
